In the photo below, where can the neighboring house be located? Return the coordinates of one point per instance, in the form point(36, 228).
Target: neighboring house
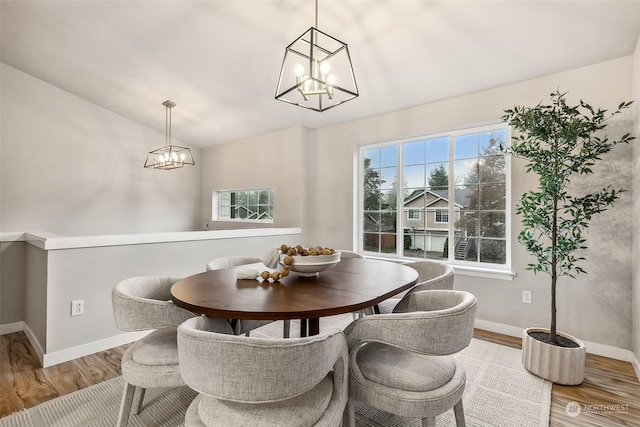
point(426, 218)
point(246, 213)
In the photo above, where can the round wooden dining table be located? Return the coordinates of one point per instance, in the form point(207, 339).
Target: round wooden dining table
point(351, 285)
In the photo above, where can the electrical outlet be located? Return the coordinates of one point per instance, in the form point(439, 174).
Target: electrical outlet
point(526, 297)
point(77, 307)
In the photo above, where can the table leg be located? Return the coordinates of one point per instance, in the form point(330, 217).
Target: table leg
point(303, 327)
point(314, 326)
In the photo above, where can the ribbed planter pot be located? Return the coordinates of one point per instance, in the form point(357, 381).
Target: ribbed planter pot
point(560, 365)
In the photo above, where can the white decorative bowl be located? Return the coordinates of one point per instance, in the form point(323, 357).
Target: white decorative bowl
point(311, 265)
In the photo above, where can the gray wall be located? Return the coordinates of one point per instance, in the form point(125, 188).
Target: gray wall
point(273, 160)
point(89, 274)
point(36, 293)
point(12, 280)
point(73, 168)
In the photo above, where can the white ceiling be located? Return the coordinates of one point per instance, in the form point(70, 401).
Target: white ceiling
point(219, 60)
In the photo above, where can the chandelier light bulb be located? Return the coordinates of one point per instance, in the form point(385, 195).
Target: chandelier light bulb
point(325, 67)
point(331, 79)
point(299, 70)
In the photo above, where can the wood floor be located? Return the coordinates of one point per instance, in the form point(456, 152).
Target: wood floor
point(609, 395)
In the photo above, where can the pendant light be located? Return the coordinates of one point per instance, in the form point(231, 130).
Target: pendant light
point(169, 156)
point(316, 71)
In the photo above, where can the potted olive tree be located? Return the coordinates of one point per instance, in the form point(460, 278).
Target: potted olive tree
point(559, 142)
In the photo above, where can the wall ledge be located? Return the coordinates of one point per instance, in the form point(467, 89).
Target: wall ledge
point(49, 241)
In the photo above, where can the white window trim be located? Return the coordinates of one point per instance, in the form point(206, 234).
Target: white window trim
point(215, 206)
point(414, 211)
point(435, 215)
point(496, 271)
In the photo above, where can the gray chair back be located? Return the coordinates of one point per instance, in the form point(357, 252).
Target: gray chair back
point(254, 370)
point(438, 322)
point(433, 275)
point(144, 302)
point(230, 261)
point(350, 254)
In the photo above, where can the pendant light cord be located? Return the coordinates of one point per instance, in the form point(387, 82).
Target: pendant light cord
point(167, 129)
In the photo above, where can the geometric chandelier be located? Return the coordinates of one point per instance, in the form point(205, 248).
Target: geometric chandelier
point(169, 156)
point(316, 72)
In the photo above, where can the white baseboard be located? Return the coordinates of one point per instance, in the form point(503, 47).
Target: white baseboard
point(33, 340)
point(21, 326)
point(57, 357)
point(609, 351)
point(10, 328)
point(636, 366)
point(68, 354)
point(499, 328)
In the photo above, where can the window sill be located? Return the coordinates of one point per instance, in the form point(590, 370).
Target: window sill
point(250, 221)
point(489, 273)
point(463, 270)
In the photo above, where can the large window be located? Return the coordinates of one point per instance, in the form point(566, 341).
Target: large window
point(244, 205)
point(440, 197)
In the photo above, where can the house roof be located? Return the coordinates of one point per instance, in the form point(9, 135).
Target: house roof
point(461, 196)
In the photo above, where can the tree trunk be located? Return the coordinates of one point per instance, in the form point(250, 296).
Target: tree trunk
point(554, 273)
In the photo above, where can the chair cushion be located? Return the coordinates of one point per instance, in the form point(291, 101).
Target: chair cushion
point(158, 348)
point(403, 369)
point(303, 410)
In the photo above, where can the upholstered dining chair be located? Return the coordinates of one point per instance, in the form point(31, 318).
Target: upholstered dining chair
point(403, 363)
point(230, 261)
point(432, 275)
point(144, 303)
point(253, 381)
point(350, 254)
point(239, 326)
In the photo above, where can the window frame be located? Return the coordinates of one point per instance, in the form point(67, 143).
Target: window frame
point(414, 214)
point(476, 268)
point(216, 205)
point(440, 210)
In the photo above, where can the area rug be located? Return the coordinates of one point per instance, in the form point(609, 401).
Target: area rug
point(499, 392)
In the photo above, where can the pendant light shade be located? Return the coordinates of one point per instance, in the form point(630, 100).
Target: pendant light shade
point(169, 156)
point(316, 72)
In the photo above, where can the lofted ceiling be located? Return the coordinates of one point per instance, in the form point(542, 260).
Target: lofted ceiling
point(219, 60)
